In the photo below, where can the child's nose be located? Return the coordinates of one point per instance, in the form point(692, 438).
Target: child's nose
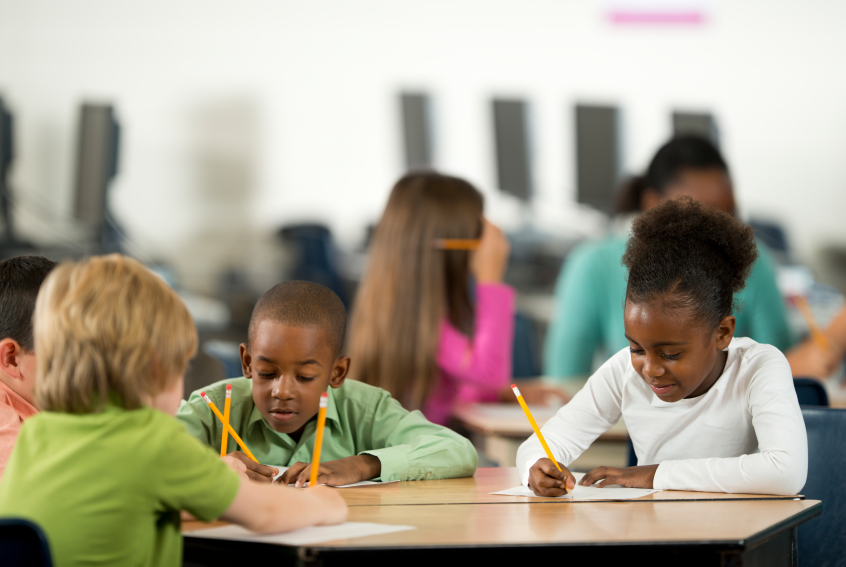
point(283, 388)
point(652, 367)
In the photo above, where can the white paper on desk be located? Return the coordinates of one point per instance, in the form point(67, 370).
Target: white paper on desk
point(360, 483)
point(586, 493)
point(304, 536)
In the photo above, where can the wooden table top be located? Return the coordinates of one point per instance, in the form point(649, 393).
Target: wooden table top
point(477, 489)
point(732, 523)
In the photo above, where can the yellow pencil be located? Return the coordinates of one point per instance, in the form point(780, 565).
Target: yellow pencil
point(457, 243)
point(318, 439)
point(227, 426)
point(813, 326)
point(226, 406)
point(538, 432)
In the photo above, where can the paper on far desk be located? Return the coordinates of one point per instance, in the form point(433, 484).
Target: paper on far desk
point(360, 483)
point(304, 536)
point(614, 492)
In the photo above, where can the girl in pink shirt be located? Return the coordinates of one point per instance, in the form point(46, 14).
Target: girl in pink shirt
point(414, 330)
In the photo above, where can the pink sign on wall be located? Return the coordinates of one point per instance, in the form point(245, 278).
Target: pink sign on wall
point(658, 12)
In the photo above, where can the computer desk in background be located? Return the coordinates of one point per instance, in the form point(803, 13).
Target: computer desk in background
point(497, 430)
point(459, 522)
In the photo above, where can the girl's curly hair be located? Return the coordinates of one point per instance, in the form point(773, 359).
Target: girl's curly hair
point(695, 256)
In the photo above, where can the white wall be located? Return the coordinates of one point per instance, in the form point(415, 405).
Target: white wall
point(239, 116)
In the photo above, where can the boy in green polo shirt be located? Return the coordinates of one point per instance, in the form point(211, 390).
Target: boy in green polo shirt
point(295, 337)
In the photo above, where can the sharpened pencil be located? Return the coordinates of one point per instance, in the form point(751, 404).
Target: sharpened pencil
point(226, 407)
point(318, 438)
point(228, 427)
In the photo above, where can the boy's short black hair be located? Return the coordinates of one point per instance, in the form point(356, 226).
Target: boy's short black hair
point(20, 279)
point(691, 255)
point(304, 304)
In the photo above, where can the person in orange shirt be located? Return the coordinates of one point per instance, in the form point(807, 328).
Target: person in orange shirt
point(20, 280)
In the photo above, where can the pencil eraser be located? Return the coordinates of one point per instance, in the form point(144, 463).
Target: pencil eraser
point(324, 395)
point(513, 386)
point(203, 394)
point(229, 386)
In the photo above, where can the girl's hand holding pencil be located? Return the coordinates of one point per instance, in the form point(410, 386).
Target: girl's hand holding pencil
point(546, 480)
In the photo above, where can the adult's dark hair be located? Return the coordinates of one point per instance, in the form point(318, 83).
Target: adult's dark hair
point(20, 279)
point(691, 256)
point(303, 304)
point(683, 152)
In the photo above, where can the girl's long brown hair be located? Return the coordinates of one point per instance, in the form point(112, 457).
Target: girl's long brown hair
point(410, 285)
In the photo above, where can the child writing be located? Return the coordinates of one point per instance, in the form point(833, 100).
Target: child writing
point(705, 411)
point(293, 355)
point(414, 330)
point(104, 469)
point(20, 279)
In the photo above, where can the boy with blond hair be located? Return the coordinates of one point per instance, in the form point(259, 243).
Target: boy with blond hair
point(104, 469)
point(20, 279)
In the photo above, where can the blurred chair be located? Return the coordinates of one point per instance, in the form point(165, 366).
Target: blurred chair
point(525, 362)
point(822, 541)
point(773, 235)
point(227, 353)
point(23, 544)
point(809, 392)
point(316, 260)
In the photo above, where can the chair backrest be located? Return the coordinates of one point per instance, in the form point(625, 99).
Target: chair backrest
point(316, 260)
point(822, 541)
point(23, 544)
point(526, 362)
point(810, 392)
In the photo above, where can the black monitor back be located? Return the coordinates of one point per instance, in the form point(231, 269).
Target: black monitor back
point(598, 155)
point(511, 137)
point(417, 130)
point(96, 163)
point(699, 123)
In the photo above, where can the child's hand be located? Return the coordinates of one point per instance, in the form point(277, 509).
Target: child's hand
point(631, 477)
point(546, 480)
point(248, 468)
point(490, 259)
point(331, 504)
point(335, 473)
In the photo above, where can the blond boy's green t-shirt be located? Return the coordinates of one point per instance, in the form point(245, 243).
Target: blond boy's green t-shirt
point(359, 419)
point(107, 488)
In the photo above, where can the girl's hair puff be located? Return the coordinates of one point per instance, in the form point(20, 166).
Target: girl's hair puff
point(691, 256)
point(108, 329)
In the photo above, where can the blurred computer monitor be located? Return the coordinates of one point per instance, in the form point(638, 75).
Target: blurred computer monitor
point(700, 123)
point(6, 157)
point(417, 130)
point(511, 137)
point(598, 155)
point(96, 166)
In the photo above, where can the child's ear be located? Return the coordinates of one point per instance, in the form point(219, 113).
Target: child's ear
point(246, 360)
point(725, 332)
point(339, 371)
point(10, 350)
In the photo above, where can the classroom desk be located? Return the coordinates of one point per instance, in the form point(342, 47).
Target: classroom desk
point(457, 521)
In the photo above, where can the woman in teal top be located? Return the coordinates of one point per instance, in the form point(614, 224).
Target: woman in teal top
point(588, 317)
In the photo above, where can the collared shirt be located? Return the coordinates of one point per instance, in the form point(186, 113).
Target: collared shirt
point(359, 419)
point(13, 411)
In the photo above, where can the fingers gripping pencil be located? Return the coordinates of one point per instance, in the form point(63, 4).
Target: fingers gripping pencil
point(318, 438)
point(226, 406)
point(227, 426)
point(538, 431)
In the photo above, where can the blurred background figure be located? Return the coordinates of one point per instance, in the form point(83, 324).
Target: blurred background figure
point(592, 286)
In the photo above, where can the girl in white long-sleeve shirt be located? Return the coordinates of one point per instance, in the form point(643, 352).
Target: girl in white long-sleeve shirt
point(705, 411)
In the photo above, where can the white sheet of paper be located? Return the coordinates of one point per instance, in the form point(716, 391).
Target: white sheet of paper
point(586, 493)
point(360, 483)
point(304, 536)
point(614, 492)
